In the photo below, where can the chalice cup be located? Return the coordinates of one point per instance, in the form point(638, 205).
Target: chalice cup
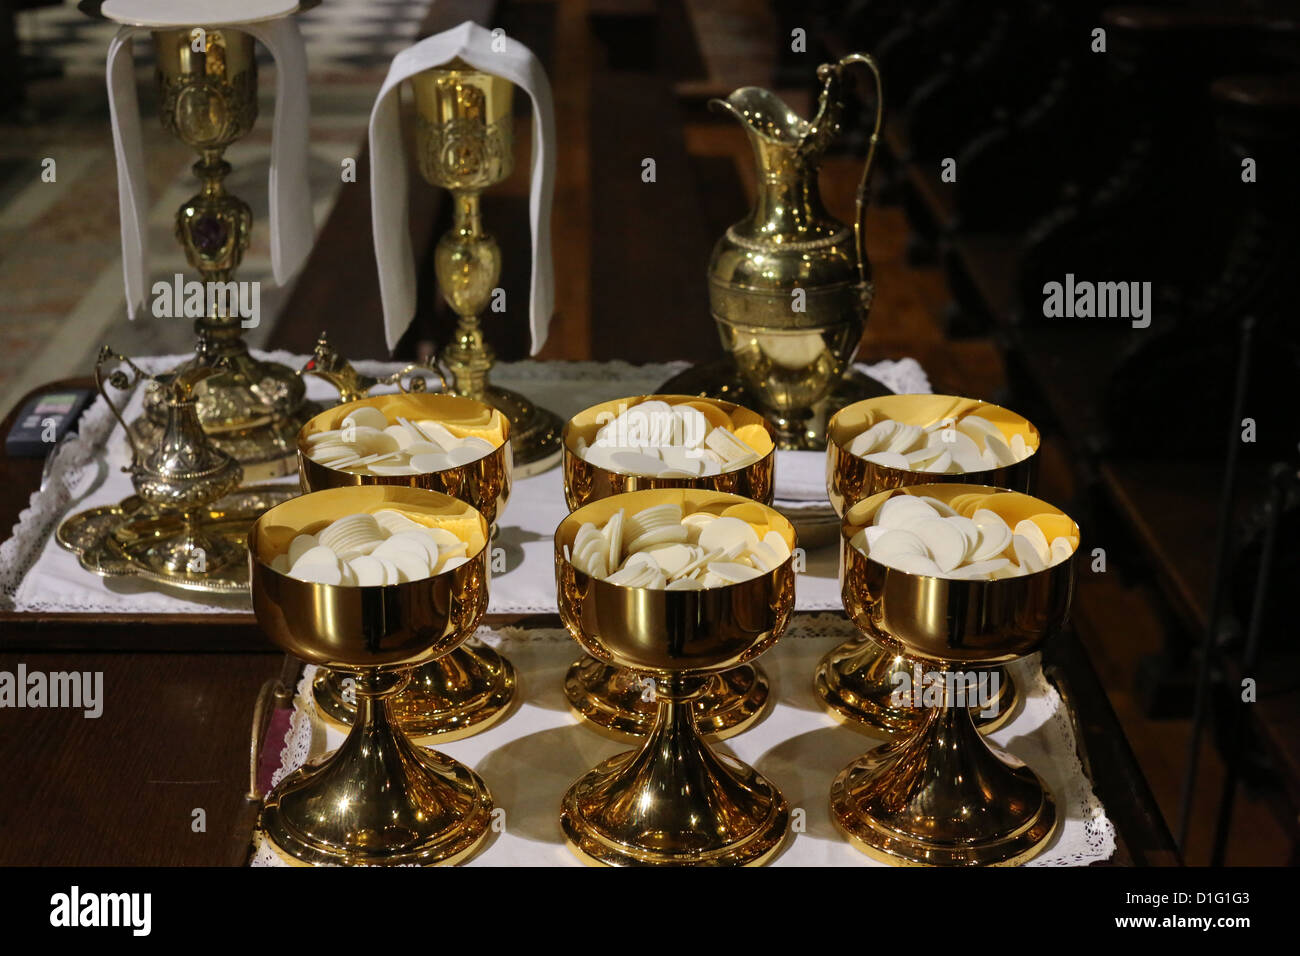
point(464, 143)
point(941, 795)
point(673, 801)
point(472, 687)
point(207, 90)
point(856, 681)
point(378, 799)
point(615, 700)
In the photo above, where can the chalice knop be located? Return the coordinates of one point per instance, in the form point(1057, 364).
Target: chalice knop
point(673, 801)
point(856, 681)
point(378, 799)
point(472, 687)
point(941, 795)
point(615, 700)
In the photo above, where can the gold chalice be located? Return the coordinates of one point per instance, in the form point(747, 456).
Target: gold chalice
point(208, 100)
point(464, 143)
point(378, 799)
point(941, 795)
point(472, 687)
point(614, 699)
point(856, 680)
point(673, 801)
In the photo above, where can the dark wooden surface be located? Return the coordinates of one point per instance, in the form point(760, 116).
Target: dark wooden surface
point(121, 789)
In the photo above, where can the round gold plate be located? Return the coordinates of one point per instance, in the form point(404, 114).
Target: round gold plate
point(116, 540)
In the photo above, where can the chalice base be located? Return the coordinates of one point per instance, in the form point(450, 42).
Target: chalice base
point(855, 683)
point(943, 797)
point(458, 695)
point(535, 433)
point(379, 801)
point(614, 700)
point(674, 802)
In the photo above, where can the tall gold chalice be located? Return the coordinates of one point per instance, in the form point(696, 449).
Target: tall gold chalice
point(941, 795)
point(673, 801)
point(614, 699)
point(856, 681)
point(472, 687)
point(378, 799)
point(464, 143)
point(208, 100)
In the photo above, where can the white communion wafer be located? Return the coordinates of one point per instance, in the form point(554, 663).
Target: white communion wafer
point(945, 542)
point(454, 561)
point(614, 538)
point(1062, 548)
point(300, 545)
point(430, 462)
point(1034, 534)
point(394, 521)
point(733, 571)
point(727, 532)
point(320, 554)
point(971, 444)
point(1027, 555)
point(390, 470)
point(280, 563)
point(369, 571)
point(901, 510)
point(318, 573)
point(898, 541)
point(912, 564)
point(671, 558)
point(685, 584)
point(366, 416)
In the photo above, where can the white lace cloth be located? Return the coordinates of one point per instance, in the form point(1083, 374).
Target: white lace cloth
point(531, 758)
point(38, 575)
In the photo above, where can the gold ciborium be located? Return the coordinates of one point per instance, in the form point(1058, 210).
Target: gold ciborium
point(673, 801)
point(378, 799)
point(180, 473)
point(464, 143)
point(941, 795)
point(472, 687)
point(616, 700)
point(790, 286)
point(208, 100)
point(856, 681)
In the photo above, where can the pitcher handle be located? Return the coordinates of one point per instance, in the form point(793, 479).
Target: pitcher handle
point(864, 190)
point(118, 379)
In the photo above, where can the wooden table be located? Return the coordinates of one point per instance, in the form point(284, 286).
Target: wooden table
point(173, 738)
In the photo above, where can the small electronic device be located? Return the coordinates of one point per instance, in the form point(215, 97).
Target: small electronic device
point(44, 420)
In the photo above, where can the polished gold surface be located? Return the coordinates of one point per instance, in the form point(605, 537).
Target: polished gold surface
point(790, 286)
point(622, 705)
point(208, 100)
point(469, 689)
point(673, 802)
point(483, 484)
point(179, 477)
point(115, 540)
point(378, 799)
point(850, 478)
point(465, 144)
point(585, 482)
point(328, 364)
point(857, 679)
point(614, 700)
point(456, 696)
point(942, 795)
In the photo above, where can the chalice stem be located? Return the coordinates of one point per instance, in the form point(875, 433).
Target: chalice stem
point(468, 265)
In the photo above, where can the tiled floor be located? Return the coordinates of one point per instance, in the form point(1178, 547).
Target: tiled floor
point(60, 273)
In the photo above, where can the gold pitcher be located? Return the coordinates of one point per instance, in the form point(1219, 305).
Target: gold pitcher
point(789, 285)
